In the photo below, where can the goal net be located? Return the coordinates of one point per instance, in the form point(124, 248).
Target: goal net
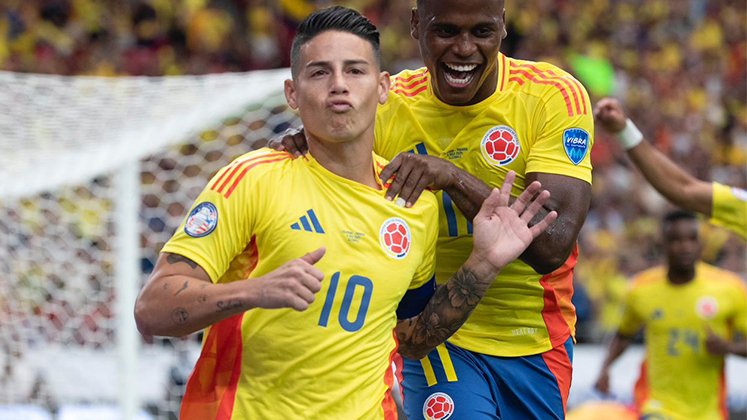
point(95, 175)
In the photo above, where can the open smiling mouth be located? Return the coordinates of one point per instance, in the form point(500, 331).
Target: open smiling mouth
point(459, 75)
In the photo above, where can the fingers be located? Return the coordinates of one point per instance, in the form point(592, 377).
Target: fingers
point(293, 141)
point(390, 169)
point(546, 221)
point(508, 183)
point(490, 205)
point(314, 256)
point(403, 171)
point(525, 197)
point(300, 144)
point(413, 186)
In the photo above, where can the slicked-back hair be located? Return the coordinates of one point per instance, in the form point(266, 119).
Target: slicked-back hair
point(335, 18)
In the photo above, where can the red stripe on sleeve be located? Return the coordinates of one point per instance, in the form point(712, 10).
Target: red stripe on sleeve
point(236, 166)
point(573, 85)
point(413, 93)
point(504, 70)
point(247, 168)
point(560, 87)
point(407, 79)
point(399, 85)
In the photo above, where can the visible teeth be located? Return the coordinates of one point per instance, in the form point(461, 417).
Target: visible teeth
point(454, 81)
point(464, 67)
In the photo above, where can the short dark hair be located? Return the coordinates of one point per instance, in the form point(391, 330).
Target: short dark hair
point(676, 216)
point(336, 18)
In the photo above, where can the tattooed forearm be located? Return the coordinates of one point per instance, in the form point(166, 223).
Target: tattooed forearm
point(174, 259)
point(447, 310)
point(179, 316)
point(228, 305)
point(184, 287)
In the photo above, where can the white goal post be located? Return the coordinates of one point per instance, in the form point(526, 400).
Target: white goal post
point(96, 175)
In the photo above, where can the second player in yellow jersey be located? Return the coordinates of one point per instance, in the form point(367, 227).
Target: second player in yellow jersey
point(538, 120)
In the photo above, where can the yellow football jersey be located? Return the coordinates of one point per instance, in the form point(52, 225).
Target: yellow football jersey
point(538, 120)
point(332, 361)
point(680, 379)
point(730, 208)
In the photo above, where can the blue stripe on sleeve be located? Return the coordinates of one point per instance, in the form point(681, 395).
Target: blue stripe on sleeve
point(415, 300)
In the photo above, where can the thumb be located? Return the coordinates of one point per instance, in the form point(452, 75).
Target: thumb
point(314, 256)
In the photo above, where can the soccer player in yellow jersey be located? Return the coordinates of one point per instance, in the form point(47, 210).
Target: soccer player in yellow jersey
point(726, 206)
point(693, 314)
point(303, 273)
point(458, 126)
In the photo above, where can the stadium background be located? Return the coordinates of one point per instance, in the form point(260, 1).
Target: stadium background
point(679, 66)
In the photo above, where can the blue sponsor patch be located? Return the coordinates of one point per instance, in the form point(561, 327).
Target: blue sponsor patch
point(576, 144)
point(201, 220)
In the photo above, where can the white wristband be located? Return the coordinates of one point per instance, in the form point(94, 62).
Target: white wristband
point(630, 136)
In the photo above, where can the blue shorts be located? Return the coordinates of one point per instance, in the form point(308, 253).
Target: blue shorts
point(459, 384)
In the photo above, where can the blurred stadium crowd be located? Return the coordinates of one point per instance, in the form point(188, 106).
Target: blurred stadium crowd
point(680, 67)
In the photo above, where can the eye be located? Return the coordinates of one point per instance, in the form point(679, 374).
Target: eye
point(318, 73)
point(445, 31)
point(357, 71)
point(483, 32)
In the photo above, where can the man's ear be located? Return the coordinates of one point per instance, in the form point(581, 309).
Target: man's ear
point(384, 84)
point(414, 21)
point(290, 93)
point(505, 31)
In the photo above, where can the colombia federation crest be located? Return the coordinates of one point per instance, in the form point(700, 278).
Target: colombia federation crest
point(394, 237)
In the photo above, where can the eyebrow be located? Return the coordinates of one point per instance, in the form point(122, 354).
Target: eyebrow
point(328, 63)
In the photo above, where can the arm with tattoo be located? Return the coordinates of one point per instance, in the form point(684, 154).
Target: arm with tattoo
point(446, 311)
point(501, 233)
point(180, 298)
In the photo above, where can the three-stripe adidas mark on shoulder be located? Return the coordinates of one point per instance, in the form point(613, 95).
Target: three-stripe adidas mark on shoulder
point(308, 223)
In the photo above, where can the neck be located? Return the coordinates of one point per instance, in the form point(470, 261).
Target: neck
point(681, 275)
point(350, 159)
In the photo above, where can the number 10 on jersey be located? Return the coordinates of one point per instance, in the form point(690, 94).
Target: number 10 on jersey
point(343, 315)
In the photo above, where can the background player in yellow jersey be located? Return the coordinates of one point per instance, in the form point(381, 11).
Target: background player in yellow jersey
point(693, 314)
point(726, 206)
point(463, 122)
point(269, 234)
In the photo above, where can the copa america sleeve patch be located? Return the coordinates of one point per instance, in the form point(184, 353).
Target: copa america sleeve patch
point(576, 144)
point(202, 220)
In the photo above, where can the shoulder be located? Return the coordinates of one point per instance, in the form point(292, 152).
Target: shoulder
point(724, 278)
point(547, 81)
point(409, 84)
point(250, 166)
point(261, 161)
point(650, 277)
